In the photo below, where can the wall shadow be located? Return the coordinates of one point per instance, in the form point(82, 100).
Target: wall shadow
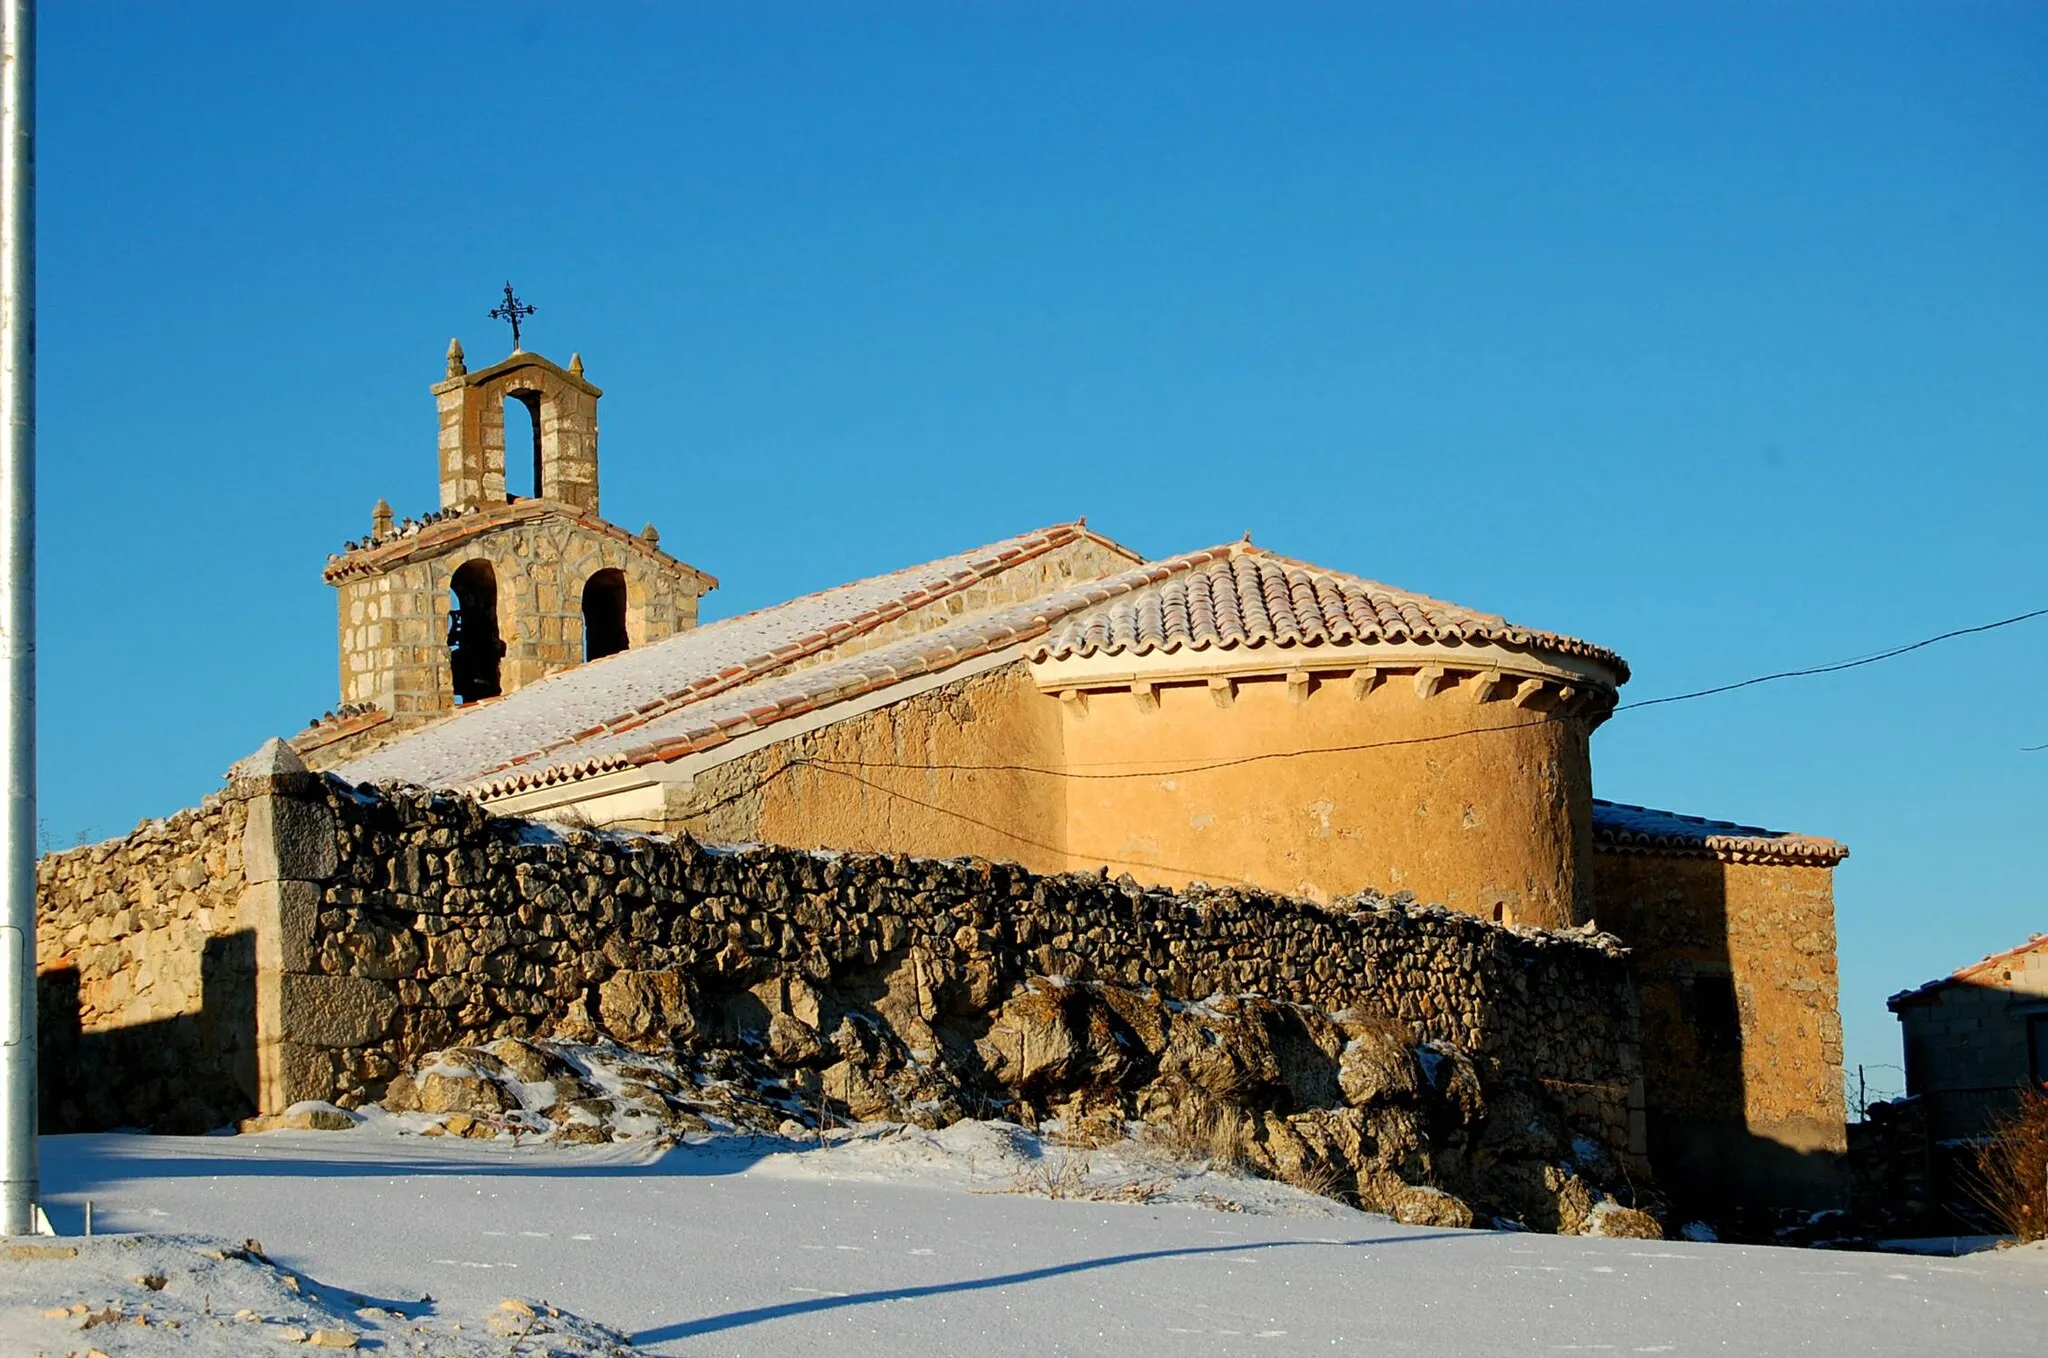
point(732, 1320)
point(1698, 1017)
point(185, 1074)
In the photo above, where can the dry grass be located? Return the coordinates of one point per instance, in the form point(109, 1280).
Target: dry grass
point(2011, 1180)
point(1323, 1179)
point(1064, 1177)
point(1211, 1132)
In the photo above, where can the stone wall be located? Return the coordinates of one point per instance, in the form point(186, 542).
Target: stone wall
point(147, 977)
point(1753, 1107)
point(442, 925)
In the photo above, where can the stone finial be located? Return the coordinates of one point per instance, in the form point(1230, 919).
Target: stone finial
point(456, 366)
point(575, 365)
point(380, 520)
point(650, 536)
point(272, 758)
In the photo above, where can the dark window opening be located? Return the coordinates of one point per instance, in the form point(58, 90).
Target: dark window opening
point(604, 614)
point(2037, 1048)
point(474, 648)
point(519, 435)
point(1716, 1017)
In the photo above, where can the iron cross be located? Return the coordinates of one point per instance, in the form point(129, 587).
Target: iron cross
point(513, 310)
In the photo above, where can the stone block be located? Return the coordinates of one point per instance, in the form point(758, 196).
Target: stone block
point(335, 1011)
point(283, 915)
point(288, 839)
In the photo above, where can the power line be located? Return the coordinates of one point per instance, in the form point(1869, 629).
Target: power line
point(1842, 665)
point(1125, 769)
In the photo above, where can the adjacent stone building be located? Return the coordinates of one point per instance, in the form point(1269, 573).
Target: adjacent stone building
point(1227, 718)
point(1975, 1038)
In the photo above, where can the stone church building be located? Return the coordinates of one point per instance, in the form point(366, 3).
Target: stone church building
point(1226, 715)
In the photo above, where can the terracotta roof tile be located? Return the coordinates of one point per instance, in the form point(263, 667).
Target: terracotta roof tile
point(1621, 828)
point(2036, 943)
point(460, 526)
point(1258, 599)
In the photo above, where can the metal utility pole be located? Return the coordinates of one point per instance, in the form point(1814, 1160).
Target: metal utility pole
point(19, 1179)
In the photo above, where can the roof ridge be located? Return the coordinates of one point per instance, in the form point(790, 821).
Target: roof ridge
point(1025, 547)
point(1331, 572)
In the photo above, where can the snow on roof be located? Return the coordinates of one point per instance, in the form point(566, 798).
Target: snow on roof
point(631, 688)
point(714, 721)
point(1621, 828)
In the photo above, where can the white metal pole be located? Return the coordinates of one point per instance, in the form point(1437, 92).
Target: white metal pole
point(18, 1171)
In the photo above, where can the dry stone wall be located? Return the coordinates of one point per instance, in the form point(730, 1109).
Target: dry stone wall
point(147, 977)
point(444, 926)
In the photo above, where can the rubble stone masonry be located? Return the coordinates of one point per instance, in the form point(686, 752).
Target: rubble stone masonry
point(391, 923)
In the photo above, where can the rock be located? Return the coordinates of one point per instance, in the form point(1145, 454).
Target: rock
point(1031, 1046)
point(1375, 1066)
point(464, 1126)
point(1223, 1046)
point(793, 1042)
point(647, 1010)
point(311, 1116)
point(1410, 1205)
point(454, 1091)
point(528, 1063)
point(331, 1339)
point(1611, 1219)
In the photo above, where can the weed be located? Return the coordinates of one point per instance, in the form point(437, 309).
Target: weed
point(1203, 1131)
point(2011, 1179)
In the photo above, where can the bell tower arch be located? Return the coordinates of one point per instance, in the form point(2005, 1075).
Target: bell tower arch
point(492, 591)
point(473, 451)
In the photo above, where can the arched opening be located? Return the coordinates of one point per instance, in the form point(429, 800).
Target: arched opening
point(474, 648)
point(522, 432)
point(604, 614)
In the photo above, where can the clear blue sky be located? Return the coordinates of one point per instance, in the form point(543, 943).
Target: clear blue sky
point(1717, 335)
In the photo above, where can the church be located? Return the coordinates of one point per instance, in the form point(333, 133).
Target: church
point(1227, 715)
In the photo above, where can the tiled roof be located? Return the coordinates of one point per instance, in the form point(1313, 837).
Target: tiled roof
point(634, 688)
point(1620, 828)
point(428, 539)
point(1974, 970)
point(707, 725)
point(1255, 598)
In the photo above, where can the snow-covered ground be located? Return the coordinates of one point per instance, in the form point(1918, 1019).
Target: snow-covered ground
point(913, 1242)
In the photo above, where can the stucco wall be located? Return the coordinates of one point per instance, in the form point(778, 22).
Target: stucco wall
point(1480, 822)
point(146, 977)
point(967, 768)
point(1771, 1107)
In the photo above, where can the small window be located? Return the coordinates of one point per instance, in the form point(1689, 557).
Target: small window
point(1716, 1017)
point(2037, 1048)
point(474, 648)
point(604, 614)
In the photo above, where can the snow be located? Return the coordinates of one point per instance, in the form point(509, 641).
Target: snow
point(541, 713)
point(904, 1241)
